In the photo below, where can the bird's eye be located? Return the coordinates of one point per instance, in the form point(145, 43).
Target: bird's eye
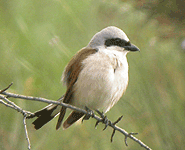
point(117, 42)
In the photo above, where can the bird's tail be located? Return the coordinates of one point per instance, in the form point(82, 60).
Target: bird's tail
point(46, 114)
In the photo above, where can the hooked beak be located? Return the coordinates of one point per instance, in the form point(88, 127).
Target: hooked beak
point(132, 48)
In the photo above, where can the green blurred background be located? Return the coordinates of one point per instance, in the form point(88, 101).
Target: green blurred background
point(38, 38)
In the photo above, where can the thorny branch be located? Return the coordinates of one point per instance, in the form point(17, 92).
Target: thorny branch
point(4, 100)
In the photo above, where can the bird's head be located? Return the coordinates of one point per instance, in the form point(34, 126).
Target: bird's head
point(112, 37)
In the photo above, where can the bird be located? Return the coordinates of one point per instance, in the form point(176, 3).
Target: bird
point(96, 78)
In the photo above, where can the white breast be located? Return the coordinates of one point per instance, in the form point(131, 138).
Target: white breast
point(102, 81)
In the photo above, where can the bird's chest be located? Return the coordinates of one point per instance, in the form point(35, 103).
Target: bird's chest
point(117, 85)
point(101, 82)
point(121, 77)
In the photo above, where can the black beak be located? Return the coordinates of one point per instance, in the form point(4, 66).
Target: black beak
point(132, 48)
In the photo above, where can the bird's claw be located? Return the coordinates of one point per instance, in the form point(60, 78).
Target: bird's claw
point(89, 114)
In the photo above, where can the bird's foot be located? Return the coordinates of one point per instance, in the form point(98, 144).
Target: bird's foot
point(89, 114)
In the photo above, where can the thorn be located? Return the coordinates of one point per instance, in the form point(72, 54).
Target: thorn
point(103, 120)
point(101, 115)
point(129, 136)
point(118, 120)
point(1, 91)
point(97, 122)
point(112, 135)
point(114, 131)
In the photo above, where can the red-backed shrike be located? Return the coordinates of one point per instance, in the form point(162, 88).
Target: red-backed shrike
point(96, 77)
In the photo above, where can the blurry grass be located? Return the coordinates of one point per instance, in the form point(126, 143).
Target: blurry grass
point(38, 38)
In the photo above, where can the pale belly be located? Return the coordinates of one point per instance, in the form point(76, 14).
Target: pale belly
point(99, 88)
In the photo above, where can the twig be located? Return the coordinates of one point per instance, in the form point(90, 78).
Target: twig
point(114, 123)
point(43, 100)
point(10, 104)
point(4, 100)
point(26, 132)
point(25, 113)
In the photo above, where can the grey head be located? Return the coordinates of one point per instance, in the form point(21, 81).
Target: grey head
point(111, 36)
